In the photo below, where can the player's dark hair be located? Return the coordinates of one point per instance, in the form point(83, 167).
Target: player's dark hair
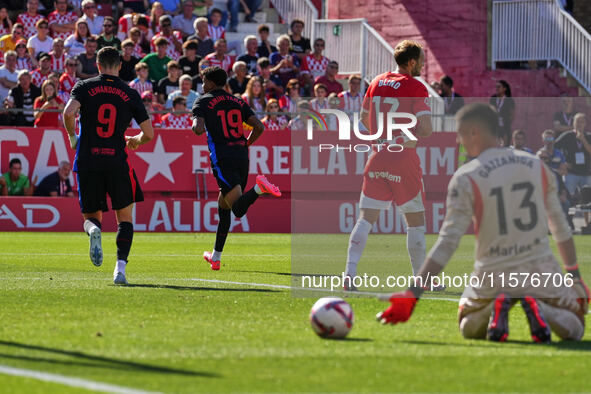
point(483, 114)
point(108, 57)
point(506, 86)
point(215, 74)
point(406, 51)
point(16, 160)
point(446, 79)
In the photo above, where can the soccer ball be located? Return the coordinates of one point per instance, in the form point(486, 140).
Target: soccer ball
point(331, 317)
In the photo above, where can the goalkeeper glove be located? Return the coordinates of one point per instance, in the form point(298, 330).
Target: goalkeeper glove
point(401, 306)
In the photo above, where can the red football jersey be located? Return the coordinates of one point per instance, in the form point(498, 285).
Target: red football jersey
point(394, 92)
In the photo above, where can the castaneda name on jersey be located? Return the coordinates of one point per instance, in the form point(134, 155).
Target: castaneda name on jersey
point(389, 141)
point(497, 162)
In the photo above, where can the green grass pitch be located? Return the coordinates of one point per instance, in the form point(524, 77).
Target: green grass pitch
point(169, 332)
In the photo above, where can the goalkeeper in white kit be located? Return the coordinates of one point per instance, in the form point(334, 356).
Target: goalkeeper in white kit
point(512, 199)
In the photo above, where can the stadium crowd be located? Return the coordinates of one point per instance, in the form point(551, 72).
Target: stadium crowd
point(47, 47)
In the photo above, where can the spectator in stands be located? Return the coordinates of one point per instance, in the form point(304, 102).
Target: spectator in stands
point(185, 91)
point(94, 21)
point(551, 156)
point(139, 6)
point(254, 96)
point(62, 22)
point(300, 45)
point(58, 56)
point(313, 65)
point(28, 19)
point(14, 183)
point(251, 56)
point(135, 35)
point(189, 62)
point(320, 100)
point(8, 74)
point(148, 100)
point(284, 64)
point(179, 119)
point(56, 184)
point(202, 37)
point(22, 96)
point(40, 42)
point(329, 78)
point(576, 147)
point(5, 22)
point(47, 101)
point(67, 80)
point(174, 39)
point(272, 90)
point(302, 114)
point(289, 102)
point(215, 29)
point(197, 79)
point(557, 163)
point(143, 25)
point(141, 83)
point(453, 101)
point(265, 48)
point(563, 119)
point(505, 106)
point(87, 61)
point(128, 61)
point(108, 38)
point(155, 13)
point(23, 59)
point(240, 78)
point(219, 57)
point(74, 44)
point(519, 140)
point(39, 75)
point(171, 7)
point(157, 61)
point(249, 7)
point(274, 121)
point(8, 42)
point(183, 22)
point(350, 100)
point(170, 83)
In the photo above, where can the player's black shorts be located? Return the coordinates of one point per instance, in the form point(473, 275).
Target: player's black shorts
point(121, 185)
point(229, 173)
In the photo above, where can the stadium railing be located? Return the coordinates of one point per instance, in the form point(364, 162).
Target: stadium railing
point(524, 30)
point(299, 9)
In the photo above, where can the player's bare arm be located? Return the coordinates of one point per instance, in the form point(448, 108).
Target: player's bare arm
point(257, 129)
point(198, 126)
point(424, 127)
point(145, 136)
point(70, 113)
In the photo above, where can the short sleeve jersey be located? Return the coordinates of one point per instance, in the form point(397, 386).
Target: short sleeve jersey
point(394, 92)
point(223, 114)
point(107, 106)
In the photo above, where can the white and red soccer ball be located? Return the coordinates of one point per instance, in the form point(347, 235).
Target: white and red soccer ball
point(331, 317)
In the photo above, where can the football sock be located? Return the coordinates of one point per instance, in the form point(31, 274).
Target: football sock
point(222, 232)
point(244, 202)
point(357, 242)
point(415, 243)
point(90, 223)
point(124, 239)
point(121, 264)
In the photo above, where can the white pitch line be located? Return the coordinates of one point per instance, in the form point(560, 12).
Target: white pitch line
point(71, 381)
point(285, 287)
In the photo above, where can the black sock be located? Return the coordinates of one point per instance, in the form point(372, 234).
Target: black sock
point(246, 200)
point(223, 227)
point(124, 239)
point(88, 223)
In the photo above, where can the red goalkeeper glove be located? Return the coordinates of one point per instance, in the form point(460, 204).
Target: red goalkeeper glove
point(400, 309)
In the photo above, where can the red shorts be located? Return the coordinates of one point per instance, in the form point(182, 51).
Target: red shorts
point(394, 177)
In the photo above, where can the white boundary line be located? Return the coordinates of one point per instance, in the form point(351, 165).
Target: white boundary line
point(70, 381)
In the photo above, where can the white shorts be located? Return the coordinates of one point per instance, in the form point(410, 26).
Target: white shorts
point(412, 206)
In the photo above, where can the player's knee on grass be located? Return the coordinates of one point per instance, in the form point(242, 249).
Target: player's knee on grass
point(473, 324)
point(565, 323)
